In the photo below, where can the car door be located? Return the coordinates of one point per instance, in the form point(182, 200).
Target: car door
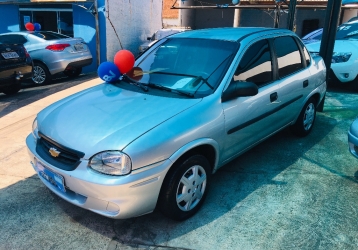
point(248, 120)
point(293, 77)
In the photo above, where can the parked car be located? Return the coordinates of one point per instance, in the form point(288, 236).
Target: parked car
point(159, 34)
point(353, 138)
point(314, 36)
point(15, 64)
point(202, 98)
point(52, 53)
point(345, 53)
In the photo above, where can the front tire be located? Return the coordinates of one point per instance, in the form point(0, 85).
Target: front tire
point(185, 188)
point(12, 89)
point(304, 124)
point(41, 75)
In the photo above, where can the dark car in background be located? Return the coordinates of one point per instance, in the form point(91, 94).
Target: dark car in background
point(15, 65)
point(52, 53)
point(314, 36)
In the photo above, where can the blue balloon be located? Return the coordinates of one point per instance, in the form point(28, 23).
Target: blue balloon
point(108, 72)
point(235, 2)
point(37, 26)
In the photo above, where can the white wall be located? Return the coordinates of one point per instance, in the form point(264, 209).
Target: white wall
point(133, 21)
point(348, 14)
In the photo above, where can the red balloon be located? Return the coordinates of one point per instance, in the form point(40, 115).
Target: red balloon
point(135, 73)
point(30, 26)
point(124, 59)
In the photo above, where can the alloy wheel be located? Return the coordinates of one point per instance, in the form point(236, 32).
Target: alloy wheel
point(39, 75)
point(191, 188)
point(309, 116)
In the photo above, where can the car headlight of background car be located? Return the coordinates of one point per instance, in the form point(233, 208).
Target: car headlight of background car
point(339, 57)
point(111, 163)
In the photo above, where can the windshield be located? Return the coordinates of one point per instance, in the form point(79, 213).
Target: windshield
point(347, 31)
point(192, 65)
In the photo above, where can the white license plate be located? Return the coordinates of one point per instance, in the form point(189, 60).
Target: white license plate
point(10, 55)
point(79, 47)
point(51, 177)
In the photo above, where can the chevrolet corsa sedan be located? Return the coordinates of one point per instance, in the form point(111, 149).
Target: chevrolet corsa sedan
point(196, 100)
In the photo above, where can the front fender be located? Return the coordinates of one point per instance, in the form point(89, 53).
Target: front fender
point(196, 143)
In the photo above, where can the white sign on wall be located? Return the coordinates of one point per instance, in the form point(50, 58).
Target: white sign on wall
point(26, 19)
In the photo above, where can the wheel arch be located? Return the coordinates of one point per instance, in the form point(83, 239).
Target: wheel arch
point(207, 147)
point(39, 61)
point(316, 96)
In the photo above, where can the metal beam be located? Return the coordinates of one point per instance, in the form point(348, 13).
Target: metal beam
point(291, 14)
point(260, 6)
point(330, 30)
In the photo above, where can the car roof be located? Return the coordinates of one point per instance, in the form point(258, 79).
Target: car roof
point(230, 34)
point(24, 32)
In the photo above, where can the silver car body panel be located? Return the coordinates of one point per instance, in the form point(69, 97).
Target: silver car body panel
point(155, 131)
point(56, 62)
point(353, 138)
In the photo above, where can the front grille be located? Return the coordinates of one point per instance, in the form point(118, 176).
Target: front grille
point(68, 159)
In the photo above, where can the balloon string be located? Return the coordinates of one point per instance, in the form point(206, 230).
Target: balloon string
point(114, 29)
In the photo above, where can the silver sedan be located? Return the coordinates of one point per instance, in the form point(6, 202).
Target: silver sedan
point(192, 103)
point(51, 53)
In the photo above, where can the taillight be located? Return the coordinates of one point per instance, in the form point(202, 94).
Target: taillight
point(58, 47)
point(26, 53)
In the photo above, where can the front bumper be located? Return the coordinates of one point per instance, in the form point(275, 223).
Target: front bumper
point(118, 197)
point(345, 72)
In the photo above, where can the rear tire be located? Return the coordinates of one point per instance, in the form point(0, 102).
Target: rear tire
point(41, 75)
point(12, 89)
point(73, 72)
point(305, 120)
point(185, 187)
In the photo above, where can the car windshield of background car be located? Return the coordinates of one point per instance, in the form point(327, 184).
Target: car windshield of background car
point(192, 65)
point(347, 31)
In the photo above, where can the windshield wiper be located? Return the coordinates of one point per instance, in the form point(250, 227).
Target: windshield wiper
point(161, 87)
point(133, 82)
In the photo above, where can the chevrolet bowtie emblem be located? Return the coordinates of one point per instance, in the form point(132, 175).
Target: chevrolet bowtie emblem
point(54, 152)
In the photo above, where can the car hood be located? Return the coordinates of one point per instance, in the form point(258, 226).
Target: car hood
point(107, 117)
point(339, 46)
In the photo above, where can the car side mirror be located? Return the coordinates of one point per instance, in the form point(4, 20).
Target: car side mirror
point(238, 89)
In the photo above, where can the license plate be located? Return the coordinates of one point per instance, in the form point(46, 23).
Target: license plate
point(9, 55)
point(79, 47)
point(51, 177)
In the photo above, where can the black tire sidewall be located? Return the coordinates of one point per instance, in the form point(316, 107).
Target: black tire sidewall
point(12, 89)
point(298, 128)
point(167, 198)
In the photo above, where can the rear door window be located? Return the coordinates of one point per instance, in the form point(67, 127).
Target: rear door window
point(13, 39)
point(288, 56)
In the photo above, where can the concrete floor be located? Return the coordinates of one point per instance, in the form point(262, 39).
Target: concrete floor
point(286, 193)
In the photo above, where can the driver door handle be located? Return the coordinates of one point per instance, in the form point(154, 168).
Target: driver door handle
point(273, 97)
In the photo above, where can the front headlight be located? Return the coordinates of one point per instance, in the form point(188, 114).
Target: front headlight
point(339, 57)
point(111, 163)
point(35, 130)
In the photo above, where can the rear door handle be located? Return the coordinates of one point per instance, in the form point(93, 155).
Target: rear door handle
point(273, 97)
point(305, 83)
